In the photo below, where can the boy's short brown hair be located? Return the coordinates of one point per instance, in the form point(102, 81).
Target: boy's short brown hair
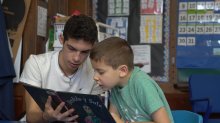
point(114, 52)
point(81, 27)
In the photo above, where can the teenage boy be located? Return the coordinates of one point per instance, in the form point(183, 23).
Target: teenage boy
point(135, 97)
point(66, 70)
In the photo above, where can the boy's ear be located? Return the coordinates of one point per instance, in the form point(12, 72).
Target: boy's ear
point(123, 70)
point(61, 39)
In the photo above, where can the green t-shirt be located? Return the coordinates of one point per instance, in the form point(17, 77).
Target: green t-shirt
point(139, 98)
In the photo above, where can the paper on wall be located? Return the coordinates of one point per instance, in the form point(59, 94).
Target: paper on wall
point(151, 29)
point(142, 56)
point(42, 21)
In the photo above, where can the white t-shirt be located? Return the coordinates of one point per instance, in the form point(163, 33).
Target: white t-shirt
point(43, 71)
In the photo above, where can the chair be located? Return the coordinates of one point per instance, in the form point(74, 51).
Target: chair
point(205, 95)
point(184, 116)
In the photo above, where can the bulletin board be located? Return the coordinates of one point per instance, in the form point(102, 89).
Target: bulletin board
point(198, 37)
point(141, 23)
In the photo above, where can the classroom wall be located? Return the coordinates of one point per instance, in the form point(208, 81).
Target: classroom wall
point(34, 44)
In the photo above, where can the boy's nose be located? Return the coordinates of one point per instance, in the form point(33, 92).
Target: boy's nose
point(96, 78)
point(76, 57)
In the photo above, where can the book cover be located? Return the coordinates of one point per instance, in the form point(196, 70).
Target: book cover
point(90, 108)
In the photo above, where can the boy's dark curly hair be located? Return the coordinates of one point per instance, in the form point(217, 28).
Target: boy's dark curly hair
point(80, 27)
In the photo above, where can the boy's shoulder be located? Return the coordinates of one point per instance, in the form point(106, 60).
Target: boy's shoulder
point(138, 74)
point(46, 55)
point(139, 78)
point(43, 57)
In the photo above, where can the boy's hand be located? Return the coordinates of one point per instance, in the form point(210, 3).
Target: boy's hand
point(51, 115)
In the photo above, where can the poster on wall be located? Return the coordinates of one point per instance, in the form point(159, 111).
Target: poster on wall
point(120, 23)
point(118, 7)
point(42, 21)
point(151, 6)
point(151, 29)
point(198, 44)
point(142, 57)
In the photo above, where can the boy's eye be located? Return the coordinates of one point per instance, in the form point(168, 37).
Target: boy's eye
point(71, 48)
point(85, 52)
point(101, 72)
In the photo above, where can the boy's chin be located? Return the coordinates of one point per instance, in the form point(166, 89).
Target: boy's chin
point(106, 88)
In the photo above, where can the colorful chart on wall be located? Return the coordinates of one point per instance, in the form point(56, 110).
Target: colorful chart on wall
point(118, 7)
point(198, 39)
point(151, 28)
point(120, 23)
point(142, 25)
point(151, 6)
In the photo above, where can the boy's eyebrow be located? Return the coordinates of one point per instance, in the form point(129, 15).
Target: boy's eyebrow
point(77, 49)
point(86, 50)
point(99, 69)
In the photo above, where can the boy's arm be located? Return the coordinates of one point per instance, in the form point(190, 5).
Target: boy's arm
point(33, 112)
point(159, 116)
point(114, 112)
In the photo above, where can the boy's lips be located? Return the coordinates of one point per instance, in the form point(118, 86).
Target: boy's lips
point(74, 65)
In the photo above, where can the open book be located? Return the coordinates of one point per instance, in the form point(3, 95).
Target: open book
point(90, 108)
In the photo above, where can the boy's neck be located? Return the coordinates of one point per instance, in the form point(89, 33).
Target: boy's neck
point(63, 67)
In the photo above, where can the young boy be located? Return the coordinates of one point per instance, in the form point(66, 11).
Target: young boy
point(135, 97)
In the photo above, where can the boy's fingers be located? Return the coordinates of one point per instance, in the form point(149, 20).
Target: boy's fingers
point(67, 114)
point(59, 107)
point(48, 103)
point(72, 119)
